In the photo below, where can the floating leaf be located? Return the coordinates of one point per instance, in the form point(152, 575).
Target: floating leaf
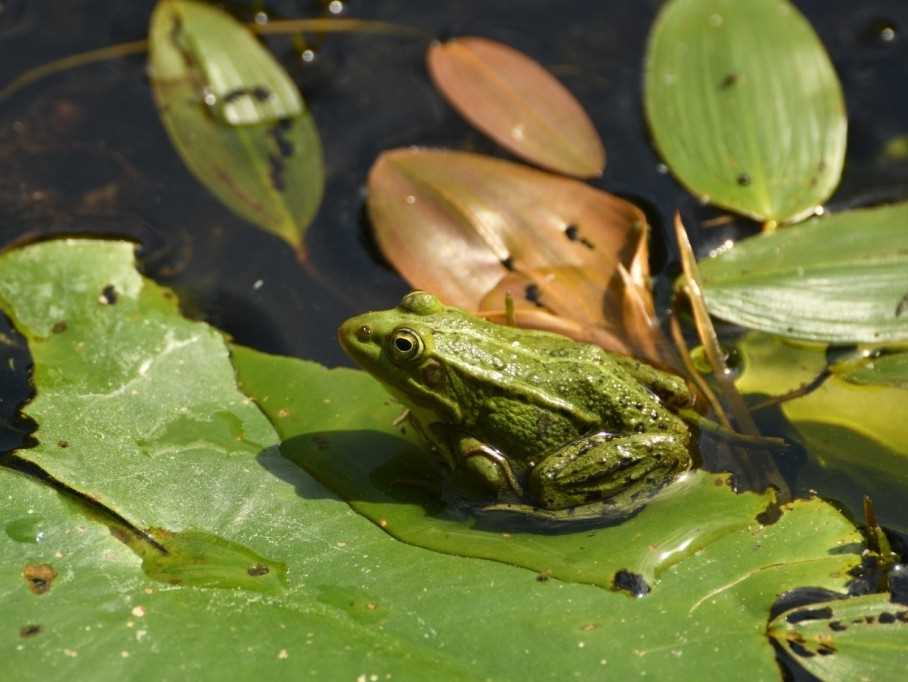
point(726, 100)
point(461, 224)
point(235, 117)
point(711, 567)
point(862, 638)
point(839, 279)
point(518, 103)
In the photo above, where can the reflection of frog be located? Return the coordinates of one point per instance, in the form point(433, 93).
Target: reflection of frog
point(567, 421)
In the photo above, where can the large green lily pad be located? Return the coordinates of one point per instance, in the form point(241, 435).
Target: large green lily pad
point(156, 432)
point(353, 447)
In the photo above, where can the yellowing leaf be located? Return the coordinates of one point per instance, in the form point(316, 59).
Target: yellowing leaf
point(518, 103)
point(235, 117)
point(461, 225)
point(745, 105)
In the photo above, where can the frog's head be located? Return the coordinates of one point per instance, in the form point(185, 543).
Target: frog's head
point(396, 347)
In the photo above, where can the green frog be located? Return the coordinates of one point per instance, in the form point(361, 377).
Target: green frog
point(534, 417)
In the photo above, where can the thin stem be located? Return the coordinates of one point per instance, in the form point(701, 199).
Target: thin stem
point(324, 25)
point(73, 61)
point(275, 27)
point(693, 288)
point(696, 377)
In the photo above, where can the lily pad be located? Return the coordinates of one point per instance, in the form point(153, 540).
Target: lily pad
point(725, 98)
point(519, 104)
point(235, 117)
point(849, 639)
point(839, 279)
point(355, 601)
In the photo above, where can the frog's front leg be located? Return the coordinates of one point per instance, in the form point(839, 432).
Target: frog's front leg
point(605, 466)
point(489, 465)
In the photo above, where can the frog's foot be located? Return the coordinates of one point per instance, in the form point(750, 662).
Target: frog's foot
point(620, 469)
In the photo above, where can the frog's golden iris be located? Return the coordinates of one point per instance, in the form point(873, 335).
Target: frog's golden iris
point(533, 415)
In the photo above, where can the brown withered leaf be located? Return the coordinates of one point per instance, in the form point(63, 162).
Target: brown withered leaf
point(519, 104)
point(531, 313)
point(470, 227)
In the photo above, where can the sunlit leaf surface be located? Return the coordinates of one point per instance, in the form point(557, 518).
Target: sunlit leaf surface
point(840, 279)
point(745, 105)
point(156, 431)
point(235, 117)
point(518, 103)
point(855, 435)
point(468, 227)
point(711, 567)
point(863, 638)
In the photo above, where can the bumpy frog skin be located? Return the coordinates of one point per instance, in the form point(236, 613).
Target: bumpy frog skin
point(531, 414)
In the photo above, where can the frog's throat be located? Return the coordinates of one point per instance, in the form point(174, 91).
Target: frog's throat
point(419, 396)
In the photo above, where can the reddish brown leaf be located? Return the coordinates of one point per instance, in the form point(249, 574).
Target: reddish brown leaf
point(537, 315)
point(469, 228)
point(518, 103)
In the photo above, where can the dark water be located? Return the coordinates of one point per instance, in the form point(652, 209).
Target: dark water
point(83, 152)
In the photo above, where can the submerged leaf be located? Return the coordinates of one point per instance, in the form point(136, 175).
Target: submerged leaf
point(856, 436)
point(886, 370)
point(862, 638)
point(467, 227)
point(235, 117)
point(745, 106)
point(839, 279)
point(518, 103)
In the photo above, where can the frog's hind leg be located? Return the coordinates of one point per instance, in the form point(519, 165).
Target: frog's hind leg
point(605, 466)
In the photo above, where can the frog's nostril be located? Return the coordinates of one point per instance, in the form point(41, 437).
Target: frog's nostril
point(364, 333)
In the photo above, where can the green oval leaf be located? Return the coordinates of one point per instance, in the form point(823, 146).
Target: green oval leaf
point(745, 106)
point(235, 117)
point(519, 104)
point(862, 638)
point(839, 279)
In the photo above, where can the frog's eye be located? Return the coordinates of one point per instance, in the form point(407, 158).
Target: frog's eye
point(405, 345)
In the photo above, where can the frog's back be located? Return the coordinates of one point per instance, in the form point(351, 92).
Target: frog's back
point(596, 385)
